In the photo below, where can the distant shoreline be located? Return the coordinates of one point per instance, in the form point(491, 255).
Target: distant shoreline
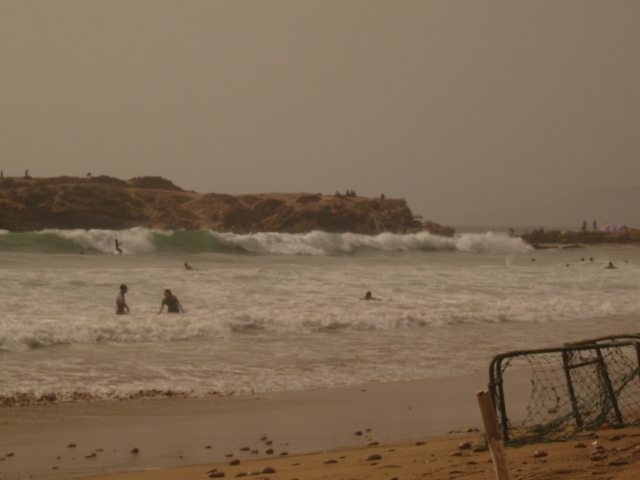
point(630, 236)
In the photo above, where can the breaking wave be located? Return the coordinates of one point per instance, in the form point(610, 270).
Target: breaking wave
point(148, 241)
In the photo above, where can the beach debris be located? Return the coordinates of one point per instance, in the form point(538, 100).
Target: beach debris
point(465, 446)
point(135, 450)
point(216, 474)
point(245, 449)
point(263, 438)
point(372, 443)
point(456, 454)
point(617, 463)
point(234, 462)
point(269, 442)
point(91, 455)
point(269, 451)
point(539, 454)
point(579, 445)
point(71, 445)
point(9, 454)
point(267, 470)
point(241, 474)
point(229, 455)
point(330, 461)
point(597, 457)
point(480, 449)
point(254, 451)
point(358, 433)
point(283, 454)
point(615, 438)
point(374, 457)
point(419, 443)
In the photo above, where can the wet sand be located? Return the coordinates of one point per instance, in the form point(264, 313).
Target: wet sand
point(175, 432)
point(293, 433)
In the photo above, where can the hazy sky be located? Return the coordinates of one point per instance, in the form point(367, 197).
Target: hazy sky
point(463, 108)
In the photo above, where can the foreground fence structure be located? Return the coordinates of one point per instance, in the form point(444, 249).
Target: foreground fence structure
point(575, 388)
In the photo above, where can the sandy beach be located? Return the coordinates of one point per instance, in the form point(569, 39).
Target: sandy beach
point(175, 432)
point(386, 430)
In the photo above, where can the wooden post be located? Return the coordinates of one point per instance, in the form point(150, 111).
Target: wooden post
point(494, 437)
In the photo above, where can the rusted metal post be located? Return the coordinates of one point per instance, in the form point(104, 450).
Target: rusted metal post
point(572, 394)
point(497, 391)
point(603, 371)
point(494, 437)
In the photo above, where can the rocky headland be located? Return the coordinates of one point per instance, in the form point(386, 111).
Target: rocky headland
point(30, 204)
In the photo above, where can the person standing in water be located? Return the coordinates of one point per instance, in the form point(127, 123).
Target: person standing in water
point(172, 303)
point(121, 304)
point(118, 246)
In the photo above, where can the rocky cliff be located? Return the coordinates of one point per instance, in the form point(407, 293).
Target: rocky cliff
point(29, 204)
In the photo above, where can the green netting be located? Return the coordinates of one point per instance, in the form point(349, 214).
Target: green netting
point(573, 389)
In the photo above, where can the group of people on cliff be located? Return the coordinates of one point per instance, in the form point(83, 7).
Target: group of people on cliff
point(348, 193)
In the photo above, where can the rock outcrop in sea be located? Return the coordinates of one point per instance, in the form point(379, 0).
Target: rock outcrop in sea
point(557, 237)
point(30, 204)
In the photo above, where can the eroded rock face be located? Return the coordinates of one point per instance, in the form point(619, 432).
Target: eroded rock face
point(153, 202)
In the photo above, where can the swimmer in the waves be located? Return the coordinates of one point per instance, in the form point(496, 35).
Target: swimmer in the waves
point(367, 296)
point(121, 304)
point(172, 303)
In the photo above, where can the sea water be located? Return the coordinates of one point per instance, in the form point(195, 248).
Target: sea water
point(273, 311)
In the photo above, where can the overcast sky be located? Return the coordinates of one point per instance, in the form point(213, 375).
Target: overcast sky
point(462, 108)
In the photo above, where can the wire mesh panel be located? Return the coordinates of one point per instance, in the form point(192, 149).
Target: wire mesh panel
point(572, 389)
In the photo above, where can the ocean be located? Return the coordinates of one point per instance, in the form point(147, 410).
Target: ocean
point(273, 311)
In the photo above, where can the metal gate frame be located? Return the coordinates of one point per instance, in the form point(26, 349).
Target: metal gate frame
point(496, 381)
